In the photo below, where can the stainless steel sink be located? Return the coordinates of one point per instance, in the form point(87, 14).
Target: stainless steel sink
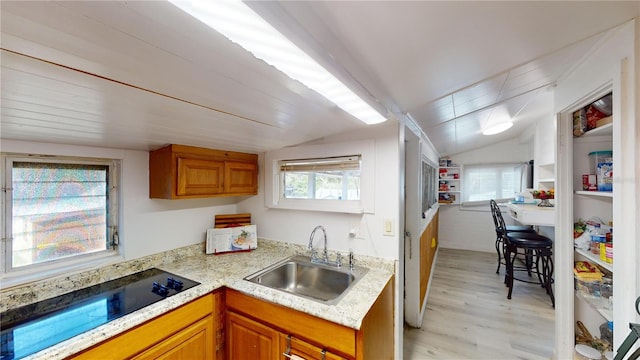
point(298, 275)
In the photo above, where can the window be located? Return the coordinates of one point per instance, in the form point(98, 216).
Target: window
point(494, 181)
point(429, 181)
point(336, 177)
point(58, 209)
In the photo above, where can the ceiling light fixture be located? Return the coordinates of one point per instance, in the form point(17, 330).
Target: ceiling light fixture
point(242, 25)
point(497, 128)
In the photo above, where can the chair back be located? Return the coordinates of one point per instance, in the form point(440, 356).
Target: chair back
point(498, 220)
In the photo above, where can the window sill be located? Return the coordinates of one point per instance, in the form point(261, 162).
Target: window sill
point(23, 277)
point(352, 207)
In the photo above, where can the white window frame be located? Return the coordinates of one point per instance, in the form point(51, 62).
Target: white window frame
point(466, 183)
point(273, 189)
point(12, 276)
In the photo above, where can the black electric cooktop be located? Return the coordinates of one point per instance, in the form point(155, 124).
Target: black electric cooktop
point(31, 328)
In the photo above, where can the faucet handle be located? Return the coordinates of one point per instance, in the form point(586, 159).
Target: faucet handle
point(351, 260)
point(339, 259)
point(313, 254)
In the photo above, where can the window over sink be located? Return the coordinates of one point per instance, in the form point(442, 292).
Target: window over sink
point(336, 177)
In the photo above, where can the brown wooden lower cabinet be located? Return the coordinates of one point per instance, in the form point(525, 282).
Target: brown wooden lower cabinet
point(249, 339)
point(258, 329)
point(184, 333)
point(227, 324)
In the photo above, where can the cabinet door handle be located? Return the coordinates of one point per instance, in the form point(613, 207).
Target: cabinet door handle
point(292, 356)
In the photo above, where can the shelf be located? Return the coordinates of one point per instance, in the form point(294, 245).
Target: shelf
point(546, 180)
point(604, 130)
point(608, 194)
point(595, 258)
point(450, 178)
point(594, 303)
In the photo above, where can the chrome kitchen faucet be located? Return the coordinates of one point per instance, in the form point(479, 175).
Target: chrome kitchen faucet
point(325, 257)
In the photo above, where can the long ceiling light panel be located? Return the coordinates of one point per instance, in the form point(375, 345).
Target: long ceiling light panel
point(242, 25)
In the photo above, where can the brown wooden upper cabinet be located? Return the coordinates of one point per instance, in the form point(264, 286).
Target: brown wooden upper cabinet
point(186, 172)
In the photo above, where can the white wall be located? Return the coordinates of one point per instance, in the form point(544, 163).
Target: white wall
point(147, 226)
point(471, 228)
point(150, 226)
point(296, 226)
point(416, 150)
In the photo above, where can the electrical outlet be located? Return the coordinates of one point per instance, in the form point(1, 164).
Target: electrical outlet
point(355, 232)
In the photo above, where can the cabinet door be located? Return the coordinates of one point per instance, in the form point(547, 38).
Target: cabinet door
point(292, 346)
point(241, 177)
point(199, 177)
point(247, 339)
point(194, 342)
point(186, 330)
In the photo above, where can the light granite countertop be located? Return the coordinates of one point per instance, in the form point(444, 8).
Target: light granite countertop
point(213, 272)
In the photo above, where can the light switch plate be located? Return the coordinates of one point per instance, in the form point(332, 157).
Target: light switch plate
point(388, 227)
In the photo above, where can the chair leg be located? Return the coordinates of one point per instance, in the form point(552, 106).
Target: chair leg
point(507, 266)
point(549, 275)
point(541, 275)
point(510, 269)
point(498, 243)
point(528, 260)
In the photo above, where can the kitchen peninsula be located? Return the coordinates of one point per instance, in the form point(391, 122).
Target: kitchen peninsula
point(532, 214)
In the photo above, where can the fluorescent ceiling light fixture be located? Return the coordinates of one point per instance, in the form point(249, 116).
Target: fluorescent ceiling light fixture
point(497, 128)
point(240, 24)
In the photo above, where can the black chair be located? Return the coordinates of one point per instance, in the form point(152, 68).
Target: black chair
point(502, 230)
point(536, 249)
point(523, 242)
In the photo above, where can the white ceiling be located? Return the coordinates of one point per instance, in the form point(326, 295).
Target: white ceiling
point(139, 75)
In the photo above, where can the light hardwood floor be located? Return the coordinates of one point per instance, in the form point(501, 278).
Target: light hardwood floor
point(468, 314)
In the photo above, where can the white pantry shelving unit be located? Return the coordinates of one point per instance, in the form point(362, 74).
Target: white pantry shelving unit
point(611, 66)
point(450, 185)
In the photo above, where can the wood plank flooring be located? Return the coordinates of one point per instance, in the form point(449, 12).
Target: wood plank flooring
point(468, 314)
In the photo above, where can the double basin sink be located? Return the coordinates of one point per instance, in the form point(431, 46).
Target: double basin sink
point(316, 281)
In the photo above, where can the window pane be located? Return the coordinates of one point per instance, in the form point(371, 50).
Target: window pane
point(507, 185)
point(484, 182)
point(322, 179)
point(296, 185)
point(429, 181)
point(59, 210)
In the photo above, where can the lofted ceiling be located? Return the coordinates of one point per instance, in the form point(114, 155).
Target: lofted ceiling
point(142, 74)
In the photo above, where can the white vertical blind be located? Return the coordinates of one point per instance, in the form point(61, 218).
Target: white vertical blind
point(59, 210)
point(490, 181)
